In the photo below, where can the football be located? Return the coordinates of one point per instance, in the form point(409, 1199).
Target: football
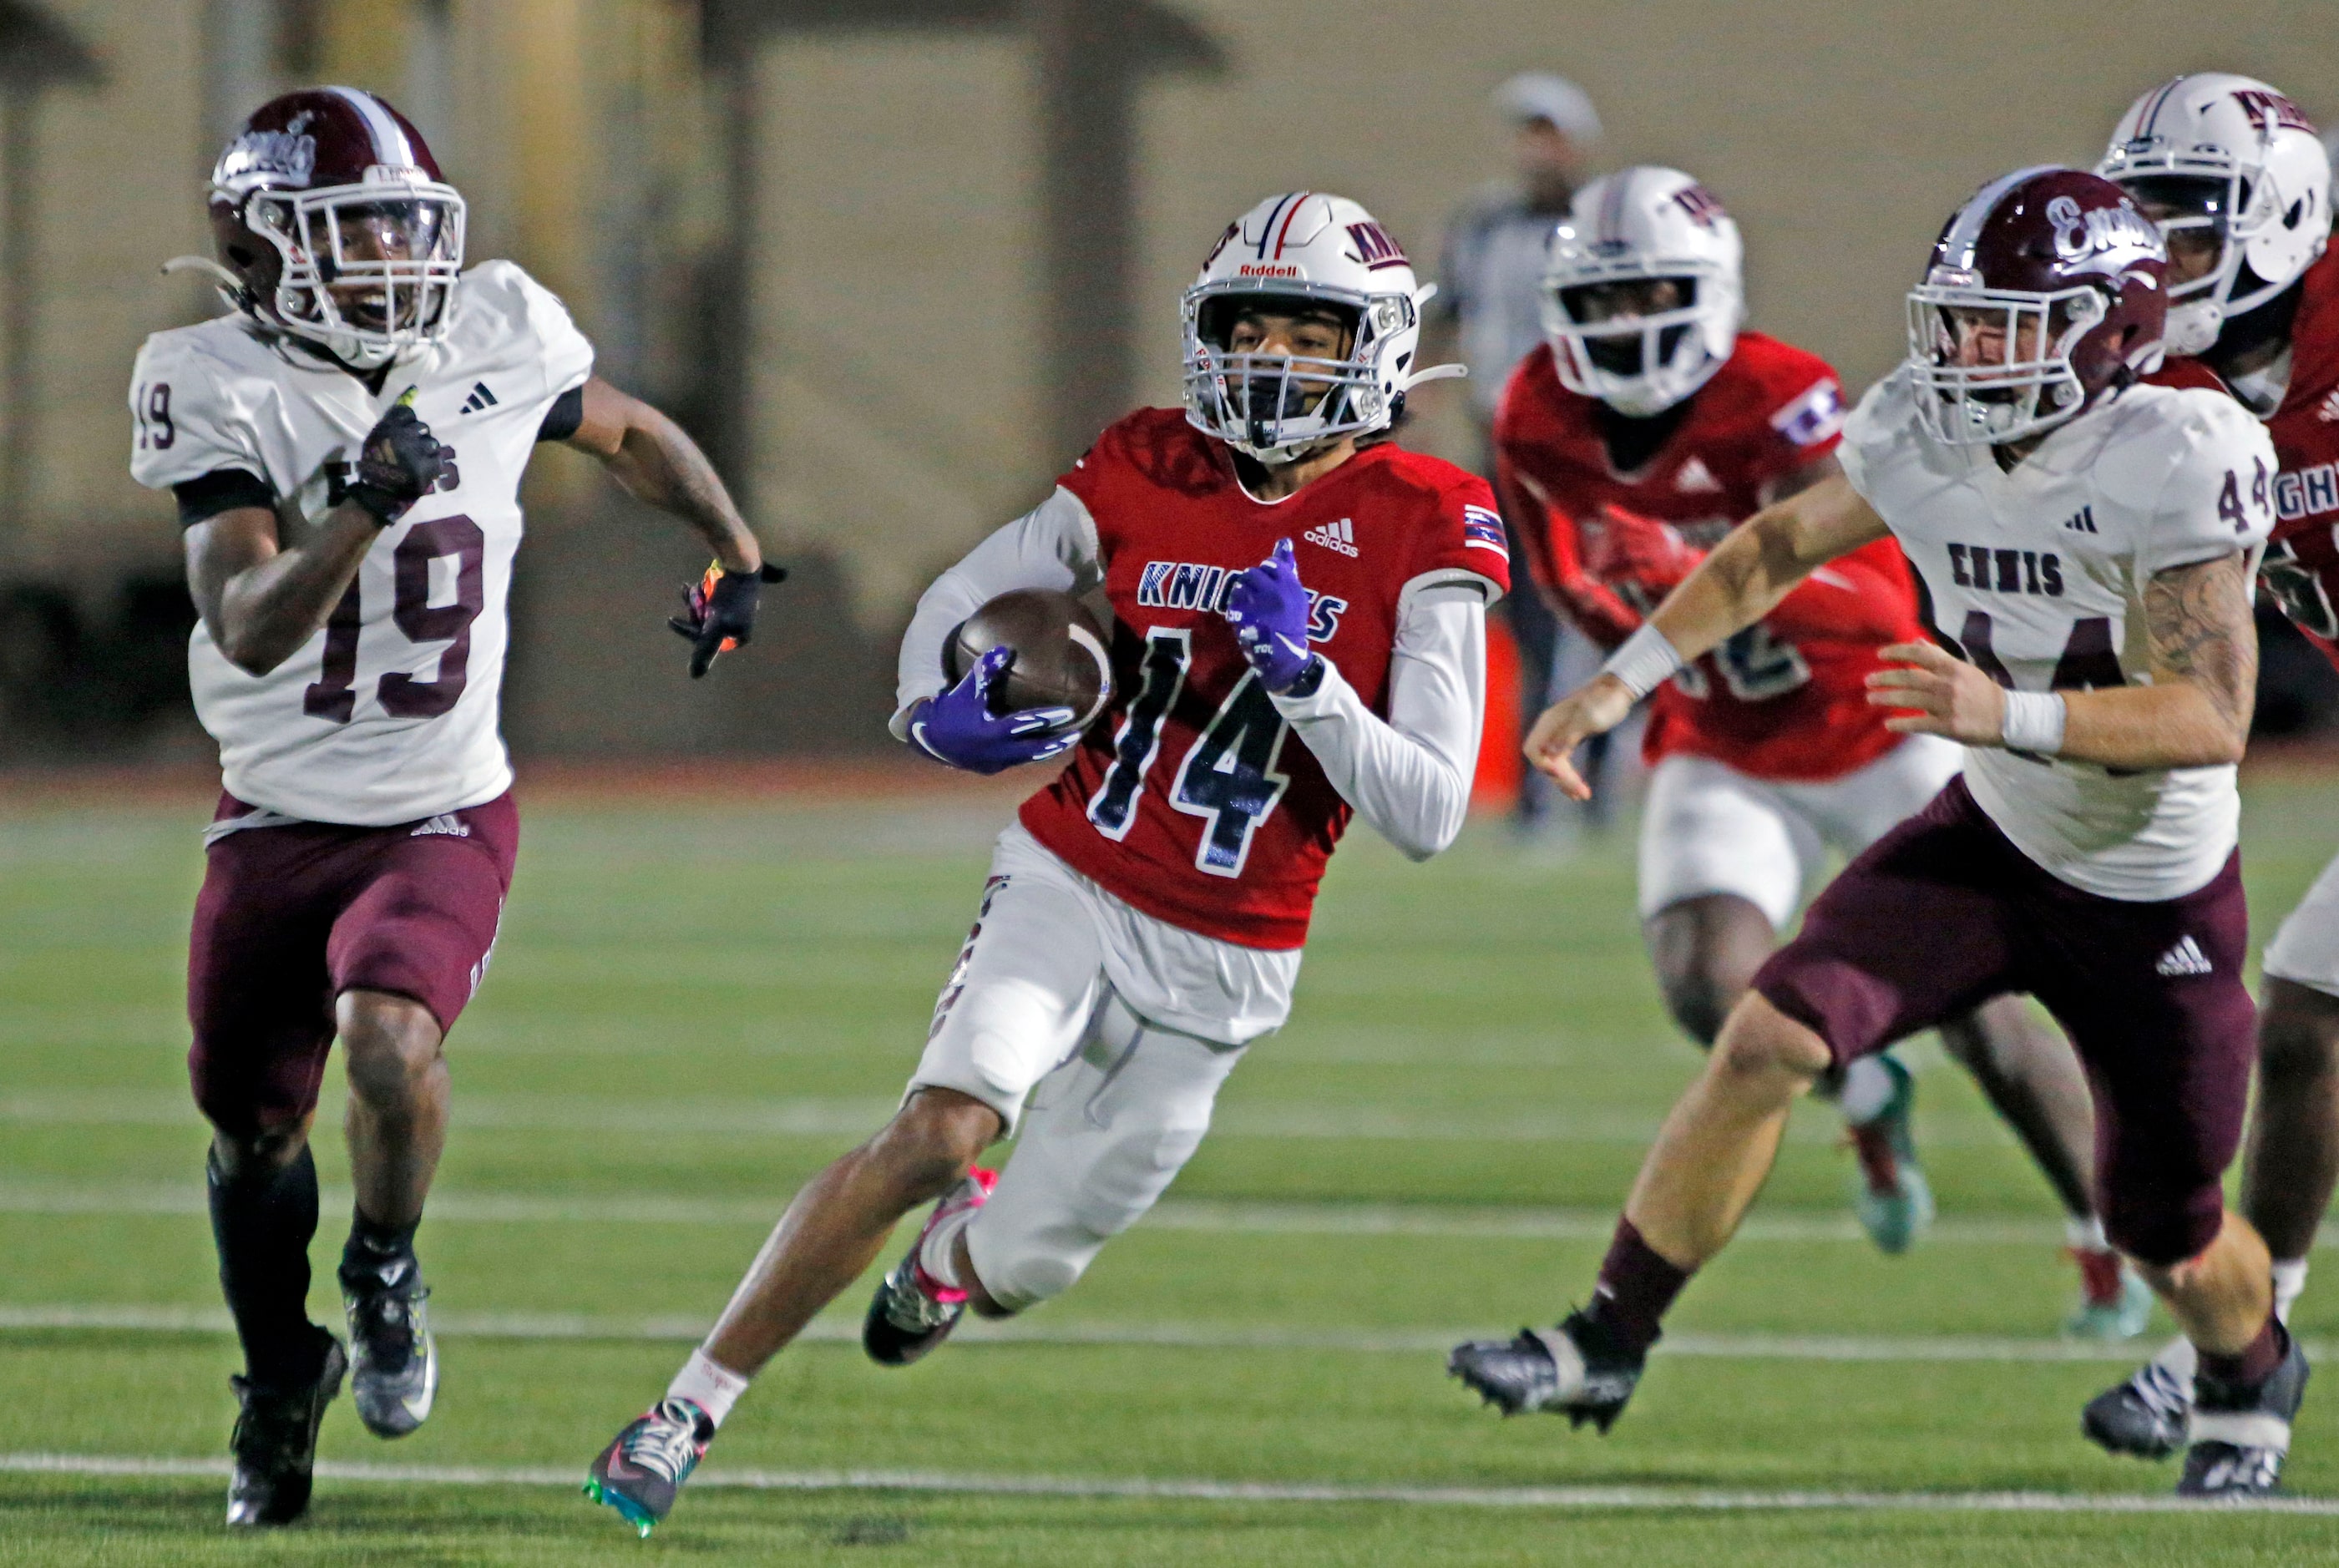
point(1061, 658)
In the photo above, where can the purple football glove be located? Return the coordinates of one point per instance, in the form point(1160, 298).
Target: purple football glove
point(958, 728)
point(1268, 610)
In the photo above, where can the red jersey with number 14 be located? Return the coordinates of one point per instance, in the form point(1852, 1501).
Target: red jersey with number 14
point(1189, 800)
point(1786, 697)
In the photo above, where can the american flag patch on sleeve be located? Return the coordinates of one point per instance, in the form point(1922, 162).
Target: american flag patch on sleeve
point(1813, 417)
point(1482, 529)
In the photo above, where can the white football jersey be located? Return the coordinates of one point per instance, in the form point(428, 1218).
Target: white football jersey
point(2039, 574)
point(389, 714)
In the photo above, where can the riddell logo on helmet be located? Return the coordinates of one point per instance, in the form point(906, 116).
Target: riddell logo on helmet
point(1252, 270)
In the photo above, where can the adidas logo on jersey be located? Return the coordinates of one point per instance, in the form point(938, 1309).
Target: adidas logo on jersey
point(446, 823)
point(2184, 958)
point(1695, 478)
point(2082, 521)
point(1341, 536)
point(480, 397)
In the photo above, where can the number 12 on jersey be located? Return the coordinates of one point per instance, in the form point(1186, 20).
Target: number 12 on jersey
point(1227, 777)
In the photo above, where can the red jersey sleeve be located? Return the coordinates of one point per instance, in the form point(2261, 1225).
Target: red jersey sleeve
point(1555, 553)
point(1467, 535)
point(1803, 419)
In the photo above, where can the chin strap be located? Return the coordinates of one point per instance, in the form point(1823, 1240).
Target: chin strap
point(230, 286)
point(1437, 373)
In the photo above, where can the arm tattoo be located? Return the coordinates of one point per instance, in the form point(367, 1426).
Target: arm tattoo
point(2198, 620)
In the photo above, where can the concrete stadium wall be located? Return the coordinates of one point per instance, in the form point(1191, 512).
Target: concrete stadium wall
point(896, 400)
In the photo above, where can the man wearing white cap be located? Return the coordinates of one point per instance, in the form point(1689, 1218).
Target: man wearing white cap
point(1489, 296)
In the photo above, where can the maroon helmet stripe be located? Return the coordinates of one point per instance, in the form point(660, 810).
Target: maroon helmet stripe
point(390, 144)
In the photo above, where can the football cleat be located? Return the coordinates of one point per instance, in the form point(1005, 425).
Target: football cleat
point(393, 1360)
point(1894, 1202)
point(2114, 1302)
point(2146, 1416)
point(1576, 1369)
point(912, 1311)
point(642, 1470)
point(2241, 1430)
point(275, 1444)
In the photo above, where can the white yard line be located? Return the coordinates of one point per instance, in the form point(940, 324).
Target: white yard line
point(844, 1329)
point(856, 1118)
point(1191, 1214)
point(1548, 1497)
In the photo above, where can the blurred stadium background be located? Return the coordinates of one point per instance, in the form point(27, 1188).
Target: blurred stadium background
point(895, 260)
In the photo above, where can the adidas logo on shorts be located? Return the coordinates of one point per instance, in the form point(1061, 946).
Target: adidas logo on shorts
point(2184, 958)
point(1340, 535)
point(446, 823)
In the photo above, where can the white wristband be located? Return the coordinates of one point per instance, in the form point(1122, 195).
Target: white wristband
point(1643, 661)
point(2033, 723)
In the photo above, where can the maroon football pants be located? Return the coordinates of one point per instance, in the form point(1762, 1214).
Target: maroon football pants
point(290, 917)
point(1943, 912)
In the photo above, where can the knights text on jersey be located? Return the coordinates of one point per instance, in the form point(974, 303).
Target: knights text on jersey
point(1189, 799)
point(2302, 563)
point(2039, 575)
point(1785, 698)
point(389, 713)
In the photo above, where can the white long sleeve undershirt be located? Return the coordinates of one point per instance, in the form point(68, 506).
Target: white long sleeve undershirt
point(1408, 775)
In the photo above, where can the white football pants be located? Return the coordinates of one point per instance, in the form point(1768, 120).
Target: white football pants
point(1706, 828)
point(1081, 1020)
point(2305, 949)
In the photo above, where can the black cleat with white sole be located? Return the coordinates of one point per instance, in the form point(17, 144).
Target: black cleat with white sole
point(1578, 1369)
point(394, 1362)
point(2146, 1416)
point(275, 1443)
point(2241, 1430)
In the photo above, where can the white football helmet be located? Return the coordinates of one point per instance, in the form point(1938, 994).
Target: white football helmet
point(1638, 224)
point(2242, 162)
point(1326, 250)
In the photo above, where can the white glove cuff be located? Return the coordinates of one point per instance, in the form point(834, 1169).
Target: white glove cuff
point(1645, 659)
point(2033, 723)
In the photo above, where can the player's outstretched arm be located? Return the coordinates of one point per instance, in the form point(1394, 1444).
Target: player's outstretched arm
point(657, 462)
point(261, 602)
point(1759, 563)
point(2203, 649)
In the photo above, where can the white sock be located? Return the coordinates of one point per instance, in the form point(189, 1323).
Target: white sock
point(1867, 1090)
point(938, 1254)
point(2085, 1234)
point(707, 1384)
point(2289, 1283)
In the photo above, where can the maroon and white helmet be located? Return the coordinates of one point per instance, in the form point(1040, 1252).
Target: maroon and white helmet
point(332, 215)
point(2047, 290)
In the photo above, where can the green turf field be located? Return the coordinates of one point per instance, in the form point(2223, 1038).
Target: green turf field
point(694, 1005)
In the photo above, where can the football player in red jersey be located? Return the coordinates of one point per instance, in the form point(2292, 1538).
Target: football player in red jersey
point(1640, 435)
point(1299, 610)
point(2239, 183)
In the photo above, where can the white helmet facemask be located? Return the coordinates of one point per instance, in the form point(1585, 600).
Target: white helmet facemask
point(1643, 225)
point(2237, 166)
point(1290, 255)
point(369, 270)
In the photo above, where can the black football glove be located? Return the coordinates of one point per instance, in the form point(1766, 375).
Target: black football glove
point(719, 613)
point(398, 464)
